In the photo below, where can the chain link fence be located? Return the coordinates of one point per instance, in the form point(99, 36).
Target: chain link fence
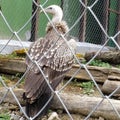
point(95, 21)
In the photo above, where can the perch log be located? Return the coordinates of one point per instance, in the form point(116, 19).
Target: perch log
point(100, 74)
point(12, 66)
point(111, 84)
point(110, 57)
point(77, 104)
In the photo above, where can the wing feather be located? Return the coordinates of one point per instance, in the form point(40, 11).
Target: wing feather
point(55, 59)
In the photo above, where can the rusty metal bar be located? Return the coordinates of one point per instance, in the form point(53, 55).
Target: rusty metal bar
point(34, 22)
point(114, 11)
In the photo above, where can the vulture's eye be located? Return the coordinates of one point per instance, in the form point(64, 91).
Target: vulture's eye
point(50, 8)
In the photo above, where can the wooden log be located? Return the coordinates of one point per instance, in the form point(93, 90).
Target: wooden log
point(85, 104)
point(114, 78)
point(111, 84)
point(110, 57)
point(100, 74)
point(12, 66)
point(9, 97)
point(18, 66)
point(76, 104)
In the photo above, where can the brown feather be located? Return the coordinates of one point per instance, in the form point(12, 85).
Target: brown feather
point(54, 57)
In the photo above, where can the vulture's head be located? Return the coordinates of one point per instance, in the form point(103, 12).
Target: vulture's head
point(56, 11)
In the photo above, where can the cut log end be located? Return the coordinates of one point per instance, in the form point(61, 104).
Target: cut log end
point(110, 57)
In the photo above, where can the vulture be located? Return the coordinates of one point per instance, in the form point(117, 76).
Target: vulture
point(48, 61)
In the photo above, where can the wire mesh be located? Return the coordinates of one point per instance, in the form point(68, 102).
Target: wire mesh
point(88, 21)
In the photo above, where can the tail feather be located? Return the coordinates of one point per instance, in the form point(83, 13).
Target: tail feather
point(33, 108)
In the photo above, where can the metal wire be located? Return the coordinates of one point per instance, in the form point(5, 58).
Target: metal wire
point(86, 9)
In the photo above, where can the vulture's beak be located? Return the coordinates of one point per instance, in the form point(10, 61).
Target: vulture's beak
point(45, 9)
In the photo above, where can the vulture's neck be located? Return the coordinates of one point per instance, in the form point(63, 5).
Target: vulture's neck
point(60, 25)
point(57, 17)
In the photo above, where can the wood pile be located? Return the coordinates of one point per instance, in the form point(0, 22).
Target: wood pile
point(109, 78)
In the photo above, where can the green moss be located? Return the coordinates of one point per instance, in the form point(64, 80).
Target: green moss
point(13, 55)
point(9, 56)
point(4, 116)
point(100, 64)
point(118, 66)
point(87, 87)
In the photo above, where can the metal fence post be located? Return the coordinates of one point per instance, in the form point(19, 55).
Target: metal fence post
point(34, 22)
